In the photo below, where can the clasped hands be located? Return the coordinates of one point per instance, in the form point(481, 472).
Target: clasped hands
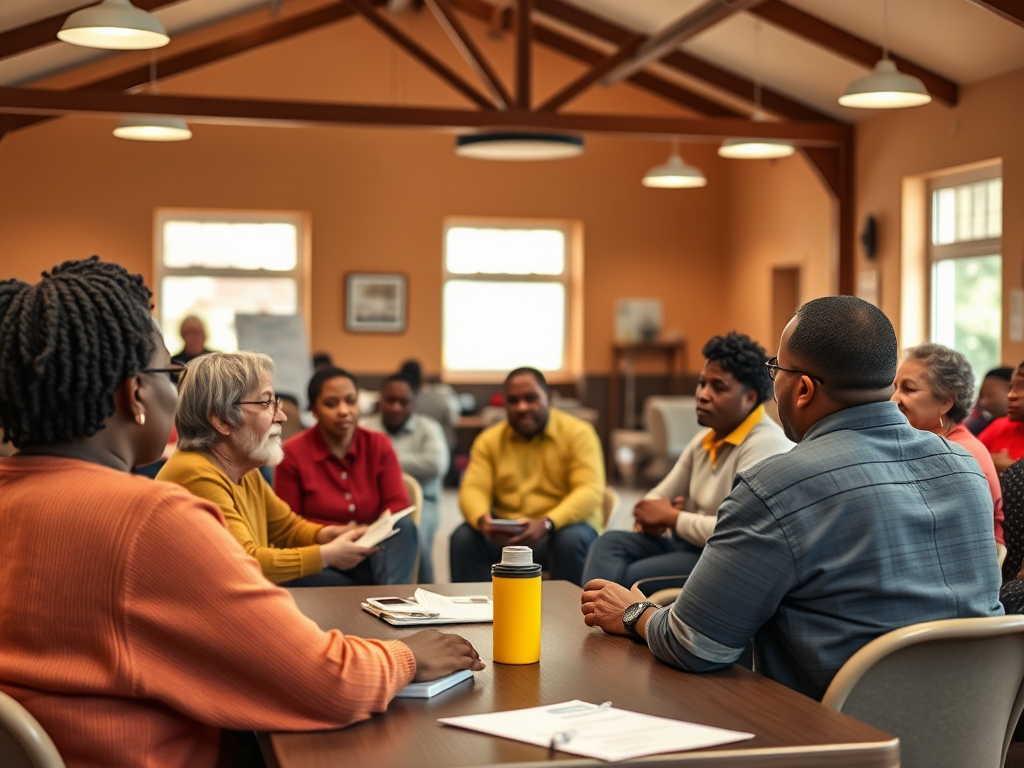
point(655, 516)
point(603, 603)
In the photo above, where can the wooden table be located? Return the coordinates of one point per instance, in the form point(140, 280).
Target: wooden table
point(577, 662)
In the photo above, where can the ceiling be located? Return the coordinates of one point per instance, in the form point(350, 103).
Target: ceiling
point(955, 39)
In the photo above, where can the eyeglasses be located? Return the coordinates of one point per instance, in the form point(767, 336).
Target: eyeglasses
point(274, 401)
point(772, 364)
point(175, 372)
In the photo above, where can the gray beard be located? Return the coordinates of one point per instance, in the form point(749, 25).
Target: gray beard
point(266, 450)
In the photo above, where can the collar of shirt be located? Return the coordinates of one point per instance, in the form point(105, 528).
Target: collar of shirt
point(736, 437)
point(321, 452)
point(544, 434)
point(857, 417)
point(406, 429)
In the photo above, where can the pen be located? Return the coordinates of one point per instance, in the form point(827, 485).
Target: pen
point(599, 708)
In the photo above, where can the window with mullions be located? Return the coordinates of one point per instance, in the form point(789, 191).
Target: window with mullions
point(967, 266)
point(507, 297)
point(219, 264)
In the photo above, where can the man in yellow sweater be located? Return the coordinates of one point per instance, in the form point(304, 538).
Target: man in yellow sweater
point(537, 480)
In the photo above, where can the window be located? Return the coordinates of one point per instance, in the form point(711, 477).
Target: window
point(508, 297)
point(217, 265)
point(966, 265)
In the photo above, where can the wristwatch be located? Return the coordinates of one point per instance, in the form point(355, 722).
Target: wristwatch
point(632, 615)
point(549, 525)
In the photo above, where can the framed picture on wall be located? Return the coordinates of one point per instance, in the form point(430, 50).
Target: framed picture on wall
point(375, 303)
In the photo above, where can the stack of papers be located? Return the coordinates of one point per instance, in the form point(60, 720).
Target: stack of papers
point(432, 608)
point(597, 730)
point(382, 528)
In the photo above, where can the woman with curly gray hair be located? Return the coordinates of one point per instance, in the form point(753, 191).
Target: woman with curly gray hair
point(935, 391)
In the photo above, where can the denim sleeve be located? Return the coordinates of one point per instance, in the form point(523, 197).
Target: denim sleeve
point(742, 576)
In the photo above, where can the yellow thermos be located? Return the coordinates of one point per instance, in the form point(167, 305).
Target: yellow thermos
point(516, 581)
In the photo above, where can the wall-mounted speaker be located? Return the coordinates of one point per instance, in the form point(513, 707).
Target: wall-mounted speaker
point(869, 237)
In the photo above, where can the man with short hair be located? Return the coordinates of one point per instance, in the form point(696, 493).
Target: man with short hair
point(1004, 437)
point(992, 396)
point(537, 480)
point(867, 525)
point(193, 334)
point(422, 451)
point(731, 388)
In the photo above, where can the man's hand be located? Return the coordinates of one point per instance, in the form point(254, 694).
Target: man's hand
point(1002, 461)
point(330, 532)
point(655, 516)
point(342, 553)
point(495, 534)
point(603, 604)
point(536, 530)
point(438, 654)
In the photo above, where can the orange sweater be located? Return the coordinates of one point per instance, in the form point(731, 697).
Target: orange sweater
point(134, 627)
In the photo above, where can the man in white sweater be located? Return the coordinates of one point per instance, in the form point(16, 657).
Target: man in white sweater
point(675, 520)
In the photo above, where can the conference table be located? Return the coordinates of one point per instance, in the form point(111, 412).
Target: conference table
point(577, 662)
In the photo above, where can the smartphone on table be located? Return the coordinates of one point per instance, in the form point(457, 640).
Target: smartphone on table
point(399, 605)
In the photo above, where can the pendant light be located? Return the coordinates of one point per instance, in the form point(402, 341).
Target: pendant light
point(751, 149)
point(153, 127)
point(886, 87)
point(675, 174)
point(519, 146)
point(115, 25)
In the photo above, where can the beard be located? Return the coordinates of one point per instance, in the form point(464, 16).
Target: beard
point(266, 448)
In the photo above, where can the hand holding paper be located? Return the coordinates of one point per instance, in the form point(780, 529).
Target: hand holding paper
point(382, 528)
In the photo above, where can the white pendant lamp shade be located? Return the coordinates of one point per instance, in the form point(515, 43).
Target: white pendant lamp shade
point(747, 149)
point(153, 129)
point(885, 88)
point(115, 25)
point(675, 174)
point(519, 147)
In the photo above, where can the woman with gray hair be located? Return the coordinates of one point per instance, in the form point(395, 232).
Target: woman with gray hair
point(229, 424)
point(935, 391)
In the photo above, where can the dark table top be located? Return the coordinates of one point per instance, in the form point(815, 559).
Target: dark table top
point(577, 662)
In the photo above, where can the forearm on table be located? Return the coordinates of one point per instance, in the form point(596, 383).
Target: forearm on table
point(680, 646)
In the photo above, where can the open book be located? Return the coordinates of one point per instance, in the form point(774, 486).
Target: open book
point(432, 608)
point(382, 528)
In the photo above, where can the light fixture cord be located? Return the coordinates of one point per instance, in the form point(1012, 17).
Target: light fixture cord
point(885, 29)
point(757, 67)
point(153, 89)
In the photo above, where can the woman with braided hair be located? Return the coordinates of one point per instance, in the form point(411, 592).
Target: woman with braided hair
point(132, 626)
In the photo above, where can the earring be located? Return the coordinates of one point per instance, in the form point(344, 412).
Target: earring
point(140, 418)
point(942, 422)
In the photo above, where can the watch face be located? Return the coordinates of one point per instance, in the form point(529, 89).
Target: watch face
point(633, 612)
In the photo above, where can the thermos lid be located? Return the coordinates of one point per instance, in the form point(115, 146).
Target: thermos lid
point(516, 563)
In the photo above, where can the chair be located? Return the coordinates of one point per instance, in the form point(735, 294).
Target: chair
point(951, 690)
point(415, 492)
point(609, 504)
point(23, 742)
point(1012, 484)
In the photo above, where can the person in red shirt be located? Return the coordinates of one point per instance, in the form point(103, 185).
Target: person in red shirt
point(1004, 437)
point(336, 472)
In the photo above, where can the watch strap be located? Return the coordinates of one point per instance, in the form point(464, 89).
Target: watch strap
point(638, 610)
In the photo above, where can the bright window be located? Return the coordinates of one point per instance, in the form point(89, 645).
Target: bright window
point(217, 265)
point(966, 275)
point(507, 298)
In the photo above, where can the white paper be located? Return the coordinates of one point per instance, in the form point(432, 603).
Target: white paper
point(471, 608)
point(382, 528)
point(600, 732)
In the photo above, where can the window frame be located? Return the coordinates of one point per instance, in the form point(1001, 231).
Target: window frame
point(570, 279)
point(299, 273)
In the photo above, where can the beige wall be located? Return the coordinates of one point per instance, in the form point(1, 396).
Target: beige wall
point(895, 150)
point(376, 198)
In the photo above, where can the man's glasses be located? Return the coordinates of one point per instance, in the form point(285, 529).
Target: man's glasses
point(176, 371)
point(273, 401)
point(772, 364)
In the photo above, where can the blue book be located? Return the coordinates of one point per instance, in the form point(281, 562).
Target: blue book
point(430, 688)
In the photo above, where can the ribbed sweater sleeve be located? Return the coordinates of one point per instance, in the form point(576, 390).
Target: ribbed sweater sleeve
point(207, 635)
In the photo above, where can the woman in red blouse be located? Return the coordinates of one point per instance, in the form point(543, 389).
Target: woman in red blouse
point(335, 472)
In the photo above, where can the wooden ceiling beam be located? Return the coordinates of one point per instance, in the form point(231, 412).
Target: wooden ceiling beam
point(690, 65)
point(524, 45)
point(417, 51)
point(857, 49)
point(460, 38)
point(297, 113)
point(671, 37)
point(674, 93)
point(591, 76)
point(1011, 10)
point(213, 52)
point(45, 31)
